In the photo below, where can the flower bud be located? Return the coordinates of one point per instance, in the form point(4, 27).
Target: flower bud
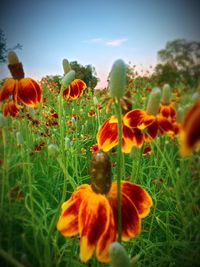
point(179, 114)
point(68, 78)
point(118, 256)
point(117, 82)
point(95, 100)
point(52, 150)
point(67, 142)
point(2, 120)
point(100, 173)
point(66, 66)
point(31, 111)
point(19, 139)
point(154, 102)
point(166, 94)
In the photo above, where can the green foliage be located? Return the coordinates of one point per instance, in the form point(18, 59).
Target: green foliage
point(86, 73)
point(180, 61)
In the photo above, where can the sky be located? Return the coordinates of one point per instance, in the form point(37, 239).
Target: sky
point(94, 32)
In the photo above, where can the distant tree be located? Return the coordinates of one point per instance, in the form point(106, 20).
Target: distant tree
point(86, 73)
point(3, 47)
point(180, 60)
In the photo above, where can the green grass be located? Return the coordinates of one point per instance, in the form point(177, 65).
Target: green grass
point(28, 237)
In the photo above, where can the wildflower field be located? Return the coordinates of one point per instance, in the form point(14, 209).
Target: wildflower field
point(98, 178)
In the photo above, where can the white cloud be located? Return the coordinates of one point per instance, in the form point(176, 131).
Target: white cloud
point(94, 40)
point(116, 42)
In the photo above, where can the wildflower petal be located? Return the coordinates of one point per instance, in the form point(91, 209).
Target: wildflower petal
point(8, 88)
point(11, 108)
point(130, 137)
point(94, 220)
point(107, 136)
point(68, 221)
point(138, 118)
point(131, 223)
point(76, 88)
point(29, 92)
point(190, 132)
point(164, 125)
point(152, 131)
point(139, 196)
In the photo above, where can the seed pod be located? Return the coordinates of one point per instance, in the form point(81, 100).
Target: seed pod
point(166, 94)
point(15, 67)
point(100, 172)
point(66, 66)
point(117, 79)
point(68, 78)
point(118, 256)
point(154, 102)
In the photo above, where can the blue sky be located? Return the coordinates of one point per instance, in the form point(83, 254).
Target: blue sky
point(93, 32)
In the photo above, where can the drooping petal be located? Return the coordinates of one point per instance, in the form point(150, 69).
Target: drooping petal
point(152, 131)
point(168, 111)
point(8, 89)
point(68, 221)
point(29, 92)
point(139, 196)
point(164, 125)
point(107, 136)
point(94, 220)
point(10, 108)
point(131, 223)
point(109, 236)
point(66, 92)
point(130, 137)
point(190, 132)
point(137, 118)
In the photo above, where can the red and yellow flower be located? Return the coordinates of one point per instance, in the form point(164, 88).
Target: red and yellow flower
point(21, 90)
point(75, 89)
point(190, 130)
point(94, 217)
point(137, 127)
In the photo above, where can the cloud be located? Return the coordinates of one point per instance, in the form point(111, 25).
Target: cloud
point(116, 42)
point(94, 40)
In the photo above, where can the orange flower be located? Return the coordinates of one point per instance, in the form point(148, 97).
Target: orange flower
point(190, 130)
point(75, 89)
point(137, 127)
point(92, 113)
point(94, 217)
point(168, 112)
point(22, 90)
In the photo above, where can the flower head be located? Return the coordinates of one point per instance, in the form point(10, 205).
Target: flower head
point(92, 213)
point(22, 90)
point(190, 130)
point(75, 89)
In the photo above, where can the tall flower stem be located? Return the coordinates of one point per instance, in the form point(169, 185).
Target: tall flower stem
point(119, 167)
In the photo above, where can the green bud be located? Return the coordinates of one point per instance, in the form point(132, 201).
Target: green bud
point(52, 150)
point(95, 100)
point(166, 94)
point(2, 120)
point(19, 138)
point(12, 58)
point(117, 82)
point(154, 102)
point(118, 256)
point(31, 111)
point(68, 78)
point(179, 114)
point(66, 66)
point(67, 142)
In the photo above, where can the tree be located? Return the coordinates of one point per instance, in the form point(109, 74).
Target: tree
point(86, 73)
point(3, 47)
point(180, 60)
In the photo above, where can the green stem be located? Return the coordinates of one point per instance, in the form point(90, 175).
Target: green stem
point(10, 258)
point(119, 167)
